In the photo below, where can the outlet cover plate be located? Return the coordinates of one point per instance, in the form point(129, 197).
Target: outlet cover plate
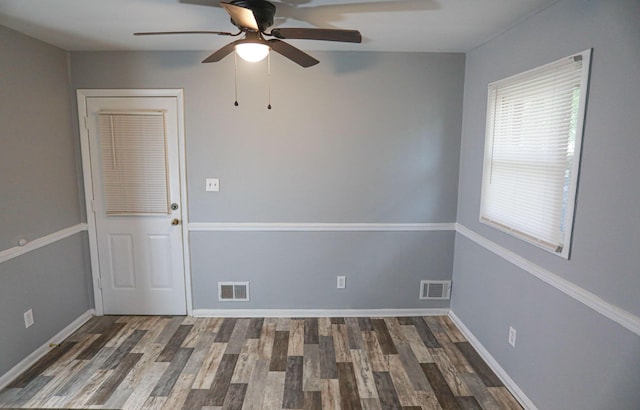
point(341, 282)
point(512, 336)
point(28, 318)
point(213, 185)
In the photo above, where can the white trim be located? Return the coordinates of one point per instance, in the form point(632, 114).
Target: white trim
point(522, 85)
point(319, 227)
point(82, 95)
point(624, 318)
point(41, 242)
point(493, 364)
point(244, 313)
point(36, 355)
point(182, 159)
point(130, 92)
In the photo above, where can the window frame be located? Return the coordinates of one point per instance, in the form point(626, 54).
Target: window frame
point(567, 221)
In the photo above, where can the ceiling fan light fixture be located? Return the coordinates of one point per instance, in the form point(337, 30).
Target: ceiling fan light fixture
point(253, 18)
point(252, 52)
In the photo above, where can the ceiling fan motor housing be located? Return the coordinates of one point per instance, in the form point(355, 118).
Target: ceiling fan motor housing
point(253, 18)
point(263, 12)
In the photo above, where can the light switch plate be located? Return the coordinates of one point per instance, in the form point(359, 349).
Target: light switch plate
point(213, 185)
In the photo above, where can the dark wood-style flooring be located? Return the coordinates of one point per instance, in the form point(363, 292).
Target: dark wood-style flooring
point(158, 362)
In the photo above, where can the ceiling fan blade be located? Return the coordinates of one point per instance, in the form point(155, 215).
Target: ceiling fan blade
point(155, 33)
point(221, 53)
point(346, 36)
point(292, 53)
point(241, 16)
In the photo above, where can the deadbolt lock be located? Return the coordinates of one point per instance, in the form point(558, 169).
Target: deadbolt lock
point(174, 206)
point(175, 222)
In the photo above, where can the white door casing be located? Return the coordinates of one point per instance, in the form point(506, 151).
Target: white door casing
point(139, 261)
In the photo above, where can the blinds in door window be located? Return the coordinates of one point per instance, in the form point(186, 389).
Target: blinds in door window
point(134, 162)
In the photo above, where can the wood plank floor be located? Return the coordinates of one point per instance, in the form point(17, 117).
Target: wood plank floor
point(152, 362)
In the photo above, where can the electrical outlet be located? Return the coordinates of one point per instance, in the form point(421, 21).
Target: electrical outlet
point(28, 318)
point(341, 282)
point(212, 184)
point(512, 336)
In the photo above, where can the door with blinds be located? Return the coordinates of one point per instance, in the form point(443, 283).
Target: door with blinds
point(134, 151)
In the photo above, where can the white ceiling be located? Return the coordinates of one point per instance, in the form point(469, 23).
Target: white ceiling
point(386, 25)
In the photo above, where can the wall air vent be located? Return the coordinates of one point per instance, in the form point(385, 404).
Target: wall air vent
point(435, 289)
point(233, 291)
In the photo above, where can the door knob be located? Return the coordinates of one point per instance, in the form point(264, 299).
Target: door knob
point(175, 222)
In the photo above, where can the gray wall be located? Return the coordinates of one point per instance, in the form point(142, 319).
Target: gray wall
point(39, 196)
point(289, 270)
point(37, 160)
point(362, 137)
point(567, 355)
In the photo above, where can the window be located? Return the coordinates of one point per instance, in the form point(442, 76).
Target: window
point(134, 162)
point(532, 152)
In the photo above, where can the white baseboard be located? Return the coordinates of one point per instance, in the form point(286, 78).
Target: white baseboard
point(493, 364)
point(245, 313)
point(30, 360)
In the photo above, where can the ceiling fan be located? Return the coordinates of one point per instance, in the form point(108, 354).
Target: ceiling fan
point(253, 18)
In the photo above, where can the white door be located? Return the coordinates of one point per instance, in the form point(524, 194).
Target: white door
point(135, 177)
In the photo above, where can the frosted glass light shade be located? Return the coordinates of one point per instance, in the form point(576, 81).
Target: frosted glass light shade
point(252, 52)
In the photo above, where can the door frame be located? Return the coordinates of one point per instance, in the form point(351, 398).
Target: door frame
point(82, 95)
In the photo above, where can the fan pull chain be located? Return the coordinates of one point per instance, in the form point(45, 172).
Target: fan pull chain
point(235, 77)
point(269, 79)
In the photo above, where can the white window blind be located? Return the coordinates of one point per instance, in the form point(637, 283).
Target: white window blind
point(532, 150)
point(134, 162)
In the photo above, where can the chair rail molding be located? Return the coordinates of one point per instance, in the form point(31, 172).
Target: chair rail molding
point(624, 318)
point(319, 227)
point(38, 243)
